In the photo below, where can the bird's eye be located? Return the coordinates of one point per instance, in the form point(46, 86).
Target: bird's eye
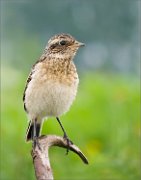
point(63, 42)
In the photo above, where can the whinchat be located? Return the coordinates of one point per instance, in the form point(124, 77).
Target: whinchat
point(52, 84)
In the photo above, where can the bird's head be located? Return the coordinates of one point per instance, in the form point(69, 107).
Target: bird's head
point(63, 46)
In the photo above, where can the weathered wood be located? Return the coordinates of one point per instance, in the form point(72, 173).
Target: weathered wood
point(40, 155)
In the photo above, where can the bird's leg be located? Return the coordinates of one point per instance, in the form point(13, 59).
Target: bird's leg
point(35, 138)
point(69, 142)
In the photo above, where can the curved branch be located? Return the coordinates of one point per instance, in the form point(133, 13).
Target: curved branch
point(40, 156)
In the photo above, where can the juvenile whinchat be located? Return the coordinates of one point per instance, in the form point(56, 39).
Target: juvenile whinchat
point(52, 84)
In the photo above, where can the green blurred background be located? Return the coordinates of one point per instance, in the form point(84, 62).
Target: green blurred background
point(104, 121)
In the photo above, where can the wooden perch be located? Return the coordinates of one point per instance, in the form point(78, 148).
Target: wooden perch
point(40, 155)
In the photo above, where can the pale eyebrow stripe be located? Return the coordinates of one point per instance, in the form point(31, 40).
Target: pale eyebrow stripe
point(53, 41)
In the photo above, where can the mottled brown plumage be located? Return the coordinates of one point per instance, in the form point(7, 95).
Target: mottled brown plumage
point(52, 83)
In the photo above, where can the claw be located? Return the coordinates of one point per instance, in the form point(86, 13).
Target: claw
point(36, 143)
point(69, 142)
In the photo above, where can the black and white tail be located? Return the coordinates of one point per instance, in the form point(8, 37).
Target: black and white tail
point(29, 132)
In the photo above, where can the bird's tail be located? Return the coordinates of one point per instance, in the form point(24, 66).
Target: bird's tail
point(29, 132)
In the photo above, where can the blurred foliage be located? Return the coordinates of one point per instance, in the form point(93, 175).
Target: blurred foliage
point(109, 28)
point(103, 122)
point(84, 18)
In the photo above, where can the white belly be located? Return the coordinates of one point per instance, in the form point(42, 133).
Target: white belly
point(49, 99)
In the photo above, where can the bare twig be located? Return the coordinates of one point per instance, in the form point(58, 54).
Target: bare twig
point(40, 156)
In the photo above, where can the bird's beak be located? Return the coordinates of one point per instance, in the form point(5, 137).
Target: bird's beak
point(79, 44)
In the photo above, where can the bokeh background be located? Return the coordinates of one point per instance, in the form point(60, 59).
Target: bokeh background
point(104, 121)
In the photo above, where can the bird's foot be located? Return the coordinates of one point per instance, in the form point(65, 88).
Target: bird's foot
point(36, 143)
point(69, 142)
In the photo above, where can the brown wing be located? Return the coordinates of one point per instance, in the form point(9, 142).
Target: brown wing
point(27, 82)
point(42, 58)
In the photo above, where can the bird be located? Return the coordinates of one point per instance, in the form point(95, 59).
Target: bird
point(52, 84)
